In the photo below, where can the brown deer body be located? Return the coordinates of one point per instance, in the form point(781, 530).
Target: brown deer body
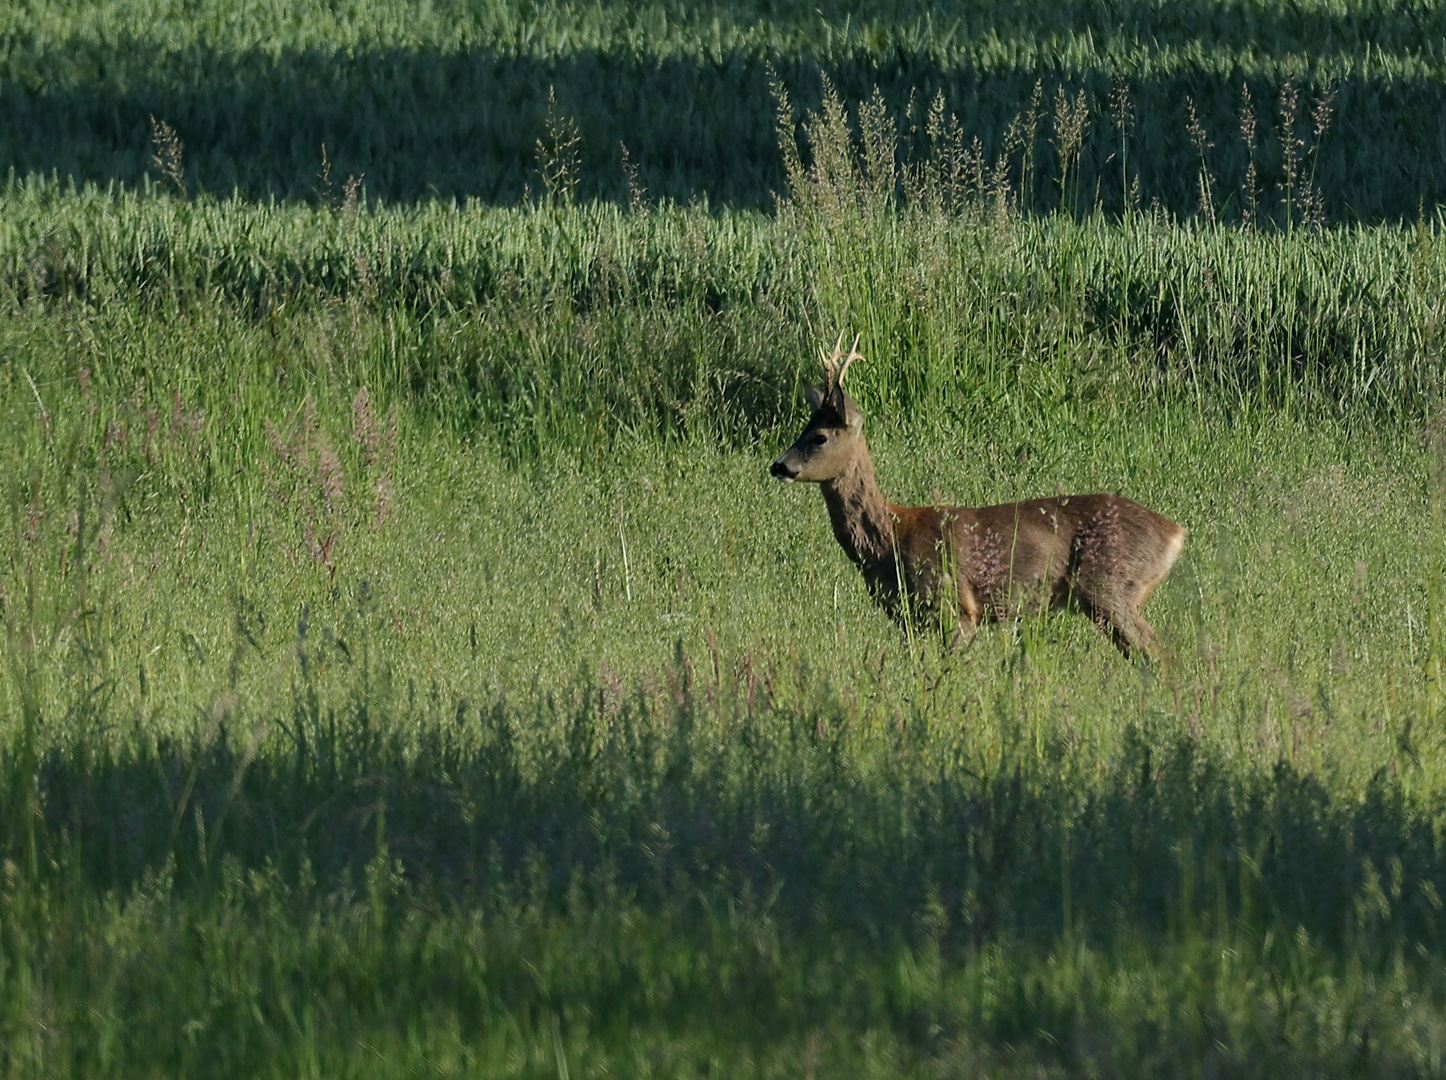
point(1100, 554)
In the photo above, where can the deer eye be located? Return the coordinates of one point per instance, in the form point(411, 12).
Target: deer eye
point(819, 439)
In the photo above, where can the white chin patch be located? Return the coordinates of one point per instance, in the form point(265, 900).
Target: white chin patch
point(784, 479)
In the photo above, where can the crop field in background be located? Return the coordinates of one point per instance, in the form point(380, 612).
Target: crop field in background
point(410, 669)
point(447, 99)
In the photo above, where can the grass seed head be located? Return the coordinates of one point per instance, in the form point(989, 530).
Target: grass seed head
point(168, 155)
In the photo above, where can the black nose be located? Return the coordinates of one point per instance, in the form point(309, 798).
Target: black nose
point(781, 471)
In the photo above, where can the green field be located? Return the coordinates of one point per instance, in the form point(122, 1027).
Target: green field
point(410, 669)
point(447, 98)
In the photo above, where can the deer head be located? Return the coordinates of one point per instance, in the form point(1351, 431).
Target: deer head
point(833, 437)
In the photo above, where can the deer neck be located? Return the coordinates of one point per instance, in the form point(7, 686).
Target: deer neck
point(861, 519)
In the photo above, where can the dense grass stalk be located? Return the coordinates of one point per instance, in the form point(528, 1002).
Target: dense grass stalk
point(952, 306)
point(450, 99)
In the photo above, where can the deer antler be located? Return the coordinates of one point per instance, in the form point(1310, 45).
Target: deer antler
point(853, 355)
point(831, 364)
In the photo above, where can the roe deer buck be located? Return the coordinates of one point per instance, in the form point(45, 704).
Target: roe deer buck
point(1100, 554)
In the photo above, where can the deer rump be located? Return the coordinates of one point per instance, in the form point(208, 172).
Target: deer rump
point(1098, 554)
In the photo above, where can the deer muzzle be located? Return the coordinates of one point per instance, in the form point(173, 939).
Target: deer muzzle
point(782, 471)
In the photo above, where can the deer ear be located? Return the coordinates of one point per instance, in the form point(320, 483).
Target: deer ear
point(852, 417)
point(812, 396)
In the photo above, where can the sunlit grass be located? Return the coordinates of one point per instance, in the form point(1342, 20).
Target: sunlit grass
point(640, 700)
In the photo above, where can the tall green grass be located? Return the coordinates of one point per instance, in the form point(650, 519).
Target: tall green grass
point(547, 315)
point(409, 666)
point(318, 748)
point(450, 99)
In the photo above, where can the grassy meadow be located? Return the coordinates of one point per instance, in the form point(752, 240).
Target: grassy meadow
point(410, 669)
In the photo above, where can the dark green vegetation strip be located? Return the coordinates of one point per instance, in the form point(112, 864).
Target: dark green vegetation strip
point(450, 99)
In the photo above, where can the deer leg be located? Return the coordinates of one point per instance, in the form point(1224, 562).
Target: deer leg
point(1130, 632)
point(965, 634)
point(1114, 616)
point(968, 611)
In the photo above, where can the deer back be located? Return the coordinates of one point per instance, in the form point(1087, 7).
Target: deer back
point(1102, 552)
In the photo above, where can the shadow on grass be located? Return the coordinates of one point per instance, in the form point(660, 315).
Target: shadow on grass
point(423, 122)
point(683, 791)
